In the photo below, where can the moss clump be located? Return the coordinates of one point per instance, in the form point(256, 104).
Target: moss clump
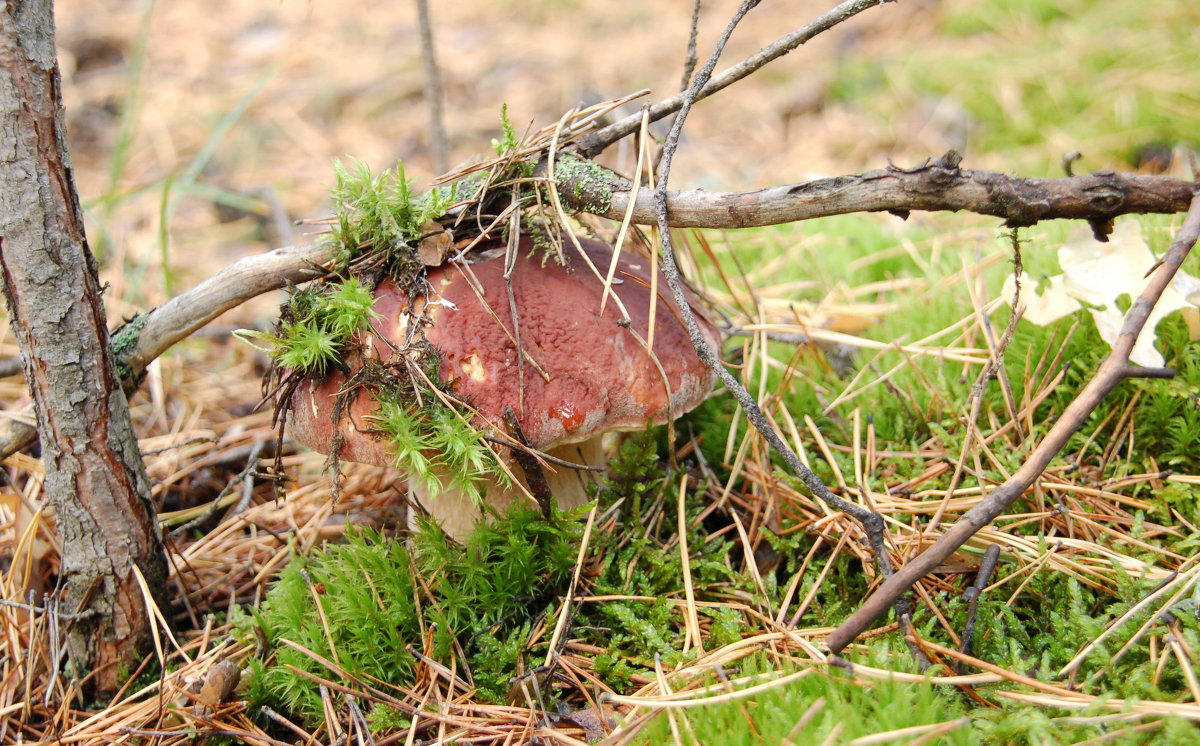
point(481, 599)
point(381, 214)
point(850, 710)
point(316, 326)
point(645, 560)
point(437, 445)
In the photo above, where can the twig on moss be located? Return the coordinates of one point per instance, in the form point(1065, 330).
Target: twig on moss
point(872, 522)
point(990, 557)
point(1115, 369)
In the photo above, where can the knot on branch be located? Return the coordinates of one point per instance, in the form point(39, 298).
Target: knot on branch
point(949, 160)
point(1105, 197)
point(944, 172)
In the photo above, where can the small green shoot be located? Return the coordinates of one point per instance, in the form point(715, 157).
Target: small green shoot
point(436, 445)
point(316, 327)
point(380, 213)
point(509, 142)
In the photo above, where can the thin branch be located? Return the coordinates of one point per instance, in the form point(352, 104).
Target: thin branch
point(596, 142)
point(246, 278)
point(691, 60)
point(933, 187)
point(991, 556)
point(872, 522)
point(433, 89)
point(179, 317)
point(1113, 370)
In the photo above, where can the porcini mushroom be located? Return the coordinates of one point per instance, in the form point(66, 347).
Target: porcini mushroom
point(582, 373)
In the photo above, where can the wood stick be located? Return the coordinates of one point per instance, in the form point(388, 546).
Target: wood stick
point(1113, 370)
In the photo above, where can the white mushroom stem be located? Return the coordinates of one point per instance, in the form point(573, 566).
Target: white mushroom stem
point(457, 513)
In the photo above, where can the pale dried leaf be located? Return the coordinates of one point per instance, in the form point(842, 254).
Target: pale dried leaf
point(1046, 307)
point(219, 683)
point(1097, 275)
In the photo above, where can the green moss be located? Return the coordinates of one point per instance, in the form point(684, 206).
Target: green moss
point(645, 560)
point(508, 142)
point(435, 444)
point(852, 709)
point(123, 343)
point(316, 326)
point(481, 599)
point(381, 214)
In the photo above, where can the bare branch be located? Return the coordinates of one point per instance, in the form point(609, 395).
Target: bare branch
point(239, 282)
point(934, 187)
point(433, 89)
point(596, 142)
point(1113, 370)
point(184, 314)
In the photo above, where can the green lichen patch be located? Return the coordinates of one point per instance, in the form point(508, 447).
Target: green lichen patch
point(124, 341)
point(590, 186)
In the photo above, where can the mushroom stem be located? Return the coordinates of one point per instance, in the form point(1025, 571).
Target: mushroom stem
point(457, 513)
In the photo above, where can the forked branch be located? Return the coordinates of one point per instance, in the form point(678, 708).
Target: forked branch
point(1115, 368)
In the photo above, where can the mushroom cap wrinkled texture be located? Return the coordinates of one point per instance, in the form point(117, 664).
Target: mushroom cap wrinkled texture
point(599, 375)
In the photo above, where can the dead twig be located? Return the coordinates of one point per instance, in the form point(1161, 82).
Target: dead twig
point(433, 89)
point(938, 186)
point(184, 314)
point(990, 558)
point(596, 142)
point(1112, 371)
point(872, 522)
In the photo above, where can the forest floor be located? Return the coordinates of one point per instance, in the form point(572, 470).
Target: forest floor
point(200, 132)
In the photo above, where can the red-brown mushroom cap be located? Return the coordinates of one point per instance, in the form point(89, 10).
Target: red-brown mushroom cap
point(599, 375)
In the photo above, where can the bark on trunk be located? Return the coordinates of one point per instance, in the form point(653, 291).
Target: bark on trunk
point(95, 478)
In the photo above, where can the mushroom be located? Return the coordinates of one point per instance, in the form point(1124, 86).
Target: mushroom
point(583, 374)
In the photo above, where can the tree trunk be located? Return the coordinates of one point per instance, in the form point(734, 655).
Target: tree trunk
point(95, 478)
